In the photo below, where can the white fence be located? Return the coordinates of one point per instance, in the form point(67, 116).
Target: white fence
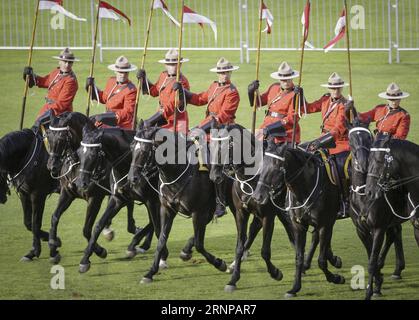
point(376, 25)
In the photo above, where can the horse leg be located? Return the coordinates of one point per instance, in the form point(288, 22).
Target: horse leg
point(93, 207)
point(313, 247)
point(38, 205)
point(63, 203)
point(373, 270)
point(114, 205)
point(138, 236)
point(242, 218)
point(287, 223)
point(131, 227)
point(398, 247)
point(300, 232)
point(325, 236)
point(268, 227)
point(200, 221)
point(167, 215)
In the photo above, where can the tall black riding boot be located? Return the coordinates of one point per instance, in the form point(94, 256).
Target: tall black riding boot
point(220, 207)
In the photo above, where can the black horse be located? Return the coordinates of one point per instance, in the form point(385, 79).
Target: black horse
point(360, 141)
point(183, 188)
point(112, 145)
point(230, 150)
point(64, 136)
point(313, 200)
point(23, 157)
point(4, 187)
point(392, 182)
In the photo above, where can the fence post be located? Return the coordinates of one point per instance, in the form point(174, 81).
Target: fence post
point(396, 45)
point(245, 8)
point(241, 31)
point(390, 42)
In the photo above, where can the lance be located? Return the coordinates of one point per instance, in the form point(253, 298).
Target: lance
point(348, 45)
point(92, 63)
point(298, 99)
point(178, 66)
point(257, 69)
point(139, 84)
point(25, 92)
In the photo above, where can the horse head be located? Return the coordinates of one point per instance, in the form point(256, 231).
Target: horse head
point(221, 142)
point(360, 140)
point(64, 135)
point(379, 167)
point(142, 151)
point(271, 177)
point(90, 154)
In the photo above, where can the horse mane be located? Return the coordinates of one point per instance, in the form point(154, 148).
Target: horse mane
point(404, 146)
point(13, 142)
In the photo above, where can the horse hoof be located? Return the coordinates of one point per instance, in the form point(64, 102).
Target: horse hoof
point(108, 234)
point(185, 256)
point(140, 250)
point(163, 265)
point(146, 280)
point(290, 295)
point(377, 295)
point(396, 277)
point(278, 276)
point(130, 254)
point(338, 263)
point(83, 268)
point(230, 288)
point(223, 266)
point(103, 254)
point(26, 259)
point(56, 259)
point(339, 279)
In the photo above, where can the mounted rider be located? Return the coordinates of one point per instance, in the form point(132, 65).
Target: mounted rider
point(334, 134)
point(279, 98)
point(390, 118)
point(163, 89)
point(119, 96)
point(222, 100)
point(61, 84)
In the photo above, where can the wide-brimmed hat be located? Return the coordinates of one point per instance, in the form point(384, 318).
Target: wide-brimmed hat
point(122, 65)
point(285, 72)
point(393, 92)
point(335, 81)
point(171, 57)
point(223, 65)
point(66, 55)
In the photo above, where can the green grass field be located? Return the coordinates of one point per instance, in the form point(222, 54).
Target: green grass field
point(116, 278)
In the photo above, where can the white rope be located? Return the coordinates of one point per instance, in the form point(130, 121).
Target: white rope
point(30, 159)
point(174, 181)
point(246, 182)
point(59, 129)
point(358, 188)
point(411, 215)
point(100, 186)
point(115, 186)
point(274, 156)
point(311, 194)
point(67, 172)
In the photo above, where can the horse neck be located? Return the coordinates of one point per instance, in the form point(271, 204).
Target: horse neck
point(243, 168)
point(115, 147)
point(12, 158)
point(299, 176)
point(408, 159)
point(171, 171)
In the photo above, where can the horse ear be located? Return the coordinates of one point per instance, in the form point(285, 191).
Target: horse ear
point(271, 142)
point(140, 125)
point(86, 129)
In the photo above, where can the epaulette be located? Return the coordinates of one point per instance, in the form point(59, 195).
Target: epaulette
point(404, 111)
point(232, 87)
point(326, 95)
